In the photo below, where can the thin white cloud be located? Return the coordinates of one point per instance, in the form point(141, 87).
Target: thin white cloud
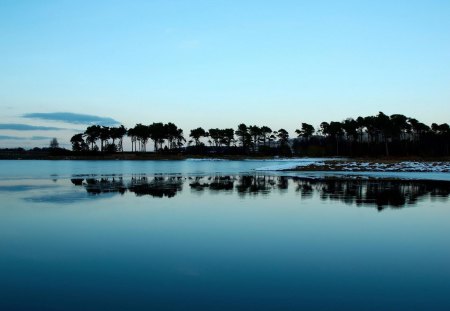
point(27, 127)
point(74, 118)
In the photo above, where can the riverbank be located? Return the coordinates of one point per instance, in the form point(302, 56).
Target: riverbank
point(376, 165)
point(329, 163)
point(127, 156)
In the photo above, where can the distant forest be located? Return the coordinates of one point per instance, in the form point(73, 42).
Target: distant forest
point(379, 135)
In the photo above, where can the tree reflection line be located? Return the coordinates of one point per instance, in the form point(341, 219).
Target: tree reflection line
point(361, 192)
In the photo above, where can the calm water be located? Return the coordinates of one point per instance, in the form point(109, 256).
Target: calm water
point(218, 235)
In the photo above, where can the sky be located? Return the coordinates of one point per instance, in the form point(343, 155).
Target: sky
point(67, 64)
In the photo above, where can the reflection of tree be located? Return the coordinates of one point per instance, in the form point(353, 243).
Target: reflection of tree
point(248, 184)
point(367, 192)
point(386, 194)
point(158, 186)
point(305, 189)
point(215, 183)
point(197, 183)
point(379, 193)
point(222, 183)
point(77, 181)
point(283, 183)
point(105, 185)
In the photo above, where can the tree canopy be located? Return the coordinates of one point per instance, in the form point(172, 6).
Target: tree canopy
point(375, 135)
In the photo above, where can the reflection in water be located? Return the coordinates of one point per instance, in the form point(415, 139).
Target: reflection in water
point(214, 183)
point(254, 185)
point(223, 242)
point(379, 193)
point(158, 186)
point(105, 185)
point(368, 192)
point(77, 181)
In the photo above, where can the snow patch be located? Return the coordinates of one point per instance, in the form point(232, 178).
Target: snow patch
point(404, 166)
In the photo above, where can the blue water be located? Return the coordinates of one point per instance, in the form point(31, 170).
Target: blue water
point(32, 169)
point(216, 235)
point(64, 168)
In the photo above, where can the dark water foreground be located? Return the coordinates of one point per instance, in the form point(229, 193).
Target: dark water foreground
point(223, 242)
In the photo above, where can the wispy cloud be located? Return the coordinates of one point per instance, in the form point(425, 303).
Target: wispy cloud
point(27, 127)
point(74, 118)
point(7, 137)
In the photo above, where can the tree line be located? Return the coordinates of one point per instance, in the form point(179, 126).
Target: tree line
point(364, 136)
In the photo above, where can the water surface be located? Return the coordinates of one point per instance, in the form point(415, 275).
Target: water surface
point(218, 236)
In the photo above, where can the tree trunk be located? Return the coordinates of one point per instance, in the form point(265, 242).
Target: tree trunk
point(337, 146)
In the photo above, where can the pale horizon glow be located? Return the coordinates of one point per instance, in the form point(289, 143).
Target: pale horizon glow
point(219, 63)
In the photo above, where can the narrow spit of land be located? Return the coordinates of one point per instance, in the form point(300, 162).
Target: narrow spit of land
point(383, 164)
point(339, 163)
point(377, 165)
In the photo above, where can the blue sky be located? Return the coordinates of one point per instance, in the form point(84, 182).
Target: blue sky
point(220, 63)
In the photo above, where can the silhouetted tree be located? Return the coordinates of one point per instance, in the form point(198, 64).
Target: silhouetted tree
point(255, 133)
point(142, 133)
point(78, 143)
point(132, 134)
point(179, 138)
point(158, 133)
point(215, 135)
point(197, 134)
point(370, 135)
point(283, 137)
point(171, 132)
point(306, 131)
point(105, 134)
point(443, 133)
point(333, 130)
point(265, 133)
point(243, 136)
point(54, 143)
point(117, 133)
point(418, 128)
point(92, 134)
point(384, 127)
point(227, 136)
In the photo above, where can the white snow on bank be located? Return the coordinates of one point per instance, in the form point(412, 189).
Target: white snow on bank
point(405, 166)
point(353, 166)
point(370, 175)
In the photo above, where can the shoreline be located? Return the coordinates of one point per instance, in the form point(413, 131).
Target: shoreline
point(134, 157)
point(376, 165)
point(129, 156)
